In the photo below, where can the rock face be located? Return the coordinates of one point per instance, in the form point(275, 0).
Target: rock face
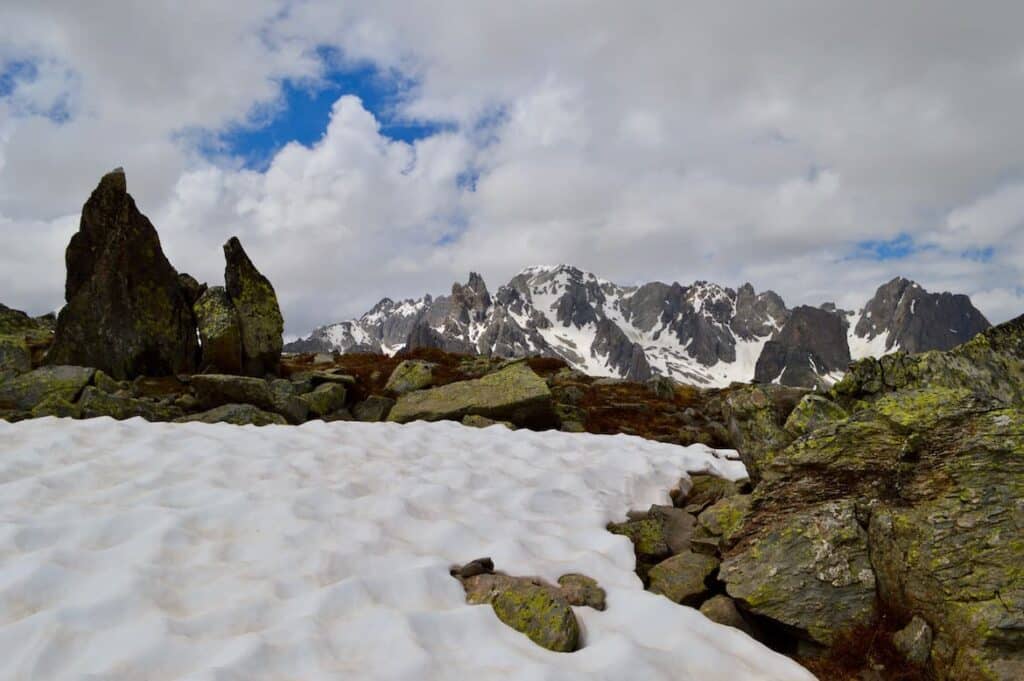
point(219, 331)
point(702, 333)
point(811, 345)
point(912, 320)
point(908, 491)
point(126, 312)
point(22, 340)
point(259, 316)
point(755, 416)
point(514, 394)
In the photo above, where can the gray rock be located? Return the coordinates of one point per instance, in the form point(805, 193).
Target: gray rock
point(237, 414)
point(373, 408)
point(219, 331)
point(722, 610)
point(94, 403)
point(26, 391)
point(474, 421)
point(214, 390)
point(914, 641)
point(580, 590)
point(683, 577)
point(514, 394)
point(326, 399)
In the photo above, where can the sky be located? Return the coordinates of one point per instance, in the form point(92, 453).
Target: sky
point(387, 148)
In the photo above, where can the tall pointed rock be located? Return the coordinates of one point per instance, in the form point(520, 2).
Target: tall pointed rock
point(259, 316)
point(126, 313)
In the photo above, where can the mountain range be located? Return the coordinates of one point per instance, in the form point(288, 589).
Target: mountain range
point(703, 333)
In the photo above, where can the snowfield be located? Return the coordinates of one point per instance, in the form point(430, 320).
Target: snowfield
point(131, 550)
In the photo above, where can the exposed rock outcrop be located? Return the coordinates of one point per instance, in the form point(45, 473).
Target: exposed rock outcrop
point(126, 312)
point(811, 345)
point(219, 331)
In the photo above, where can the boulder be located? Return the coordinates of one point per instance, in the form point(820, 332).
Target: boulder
point(725, 517)
point(15, 357)
point(94, 403)
point(373, 408)
point(683, 577)
point(287, 403)
point(755, 415)
point(315, 378)
point(704, 490)
point(219, 332)
point(812, 412)
point(126, 312)
point(325, 399)
point(22, 340)
point(105, 383)
point(259, 317)
point(236, 414)
point(411, 374)
point(530, 607)
point(214, 390)
point(514, 394)
point(26, 391)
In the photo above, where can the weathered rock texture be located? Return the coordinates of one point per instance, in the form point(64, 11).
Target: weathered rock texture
point(259, 316)
point(219, 331)
point(126, 312)
point(910, 490)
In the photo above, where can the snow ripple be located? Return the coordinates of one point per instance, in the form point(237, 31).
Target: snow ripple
point(131, 550)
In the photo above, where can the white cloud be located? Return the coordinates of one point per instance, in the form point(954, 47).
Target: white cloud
point(672, 140)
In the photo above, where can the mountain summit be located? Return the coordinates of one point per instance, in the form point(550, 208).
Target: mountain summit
point(702, 333)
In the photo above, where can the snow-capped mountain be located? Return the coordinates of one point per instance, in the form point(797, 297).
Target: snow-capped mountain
point(703, 333)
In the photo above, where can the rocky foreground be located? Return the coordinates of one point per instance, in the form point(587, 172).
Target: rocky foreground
point(880, 534)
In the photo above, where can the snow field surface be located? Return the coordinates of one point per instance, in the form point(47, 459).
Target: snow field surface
point(131, 550)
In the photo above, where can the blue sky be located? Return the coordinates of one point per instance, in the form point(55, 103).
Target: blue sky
point(303, 110)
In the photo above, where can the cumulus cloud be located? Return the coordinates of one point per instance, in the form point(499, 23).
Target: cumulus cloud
point(671, 140)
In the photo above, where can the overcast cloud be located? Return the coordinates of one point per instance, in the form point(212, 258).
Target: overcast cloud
point(816, 148)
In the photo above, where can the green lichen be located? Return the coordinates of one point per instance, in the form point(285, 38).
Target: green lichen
point(547, 621)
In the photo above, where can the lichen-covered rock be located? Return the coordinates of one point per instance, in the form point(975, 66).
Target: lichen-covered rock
point(409, 375)
point(105, 383)
point(126, 312)
point(648, 537)
point(95, 403)
point(236, 414)
point(581, 590)
point(316, 378)
point(213, 390)
point(725, 517)
point(514, 394)
point(219, 331)
point(705, 490)
point(55, 405)
point(683, 577)
point(15, 357)
point(259, 316)
point(812, 412)
point(192, 289)
point(811, 572)
point(325, 399)
point(26, 391)
point(373, 408)
point(914, 641)
point(755, 415)
point(546, 619)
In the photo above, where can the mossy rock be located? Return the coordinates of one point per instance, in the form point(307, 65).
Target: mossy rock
point(475, 421)
point(725, 517)
point(648, 537)
point(373, 408)
point(683, 578)
point(545, 618)
point(219, 331)
point(581, 590)
point(325, 399)
point(236, 414)
point(259, 315)
point(755, 416)
point(706, 489)
point(105, 383)
point(95, 403)
point(515, 394)
point(409, 375)
point(811, 413)
point(26, 391)
point(55, 405)
point(15, 356)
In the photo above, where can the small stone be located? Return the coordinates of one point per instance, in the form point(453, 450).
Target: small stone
point(322, 358)
point(573, 427)
point(237, 414)
point(581, 590)
point(478, 566)
point(476, 421)
point(914, 641)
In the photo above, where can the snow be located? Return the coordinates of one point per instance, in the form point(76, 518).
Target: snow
point(868, 346)
point(131, 550)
